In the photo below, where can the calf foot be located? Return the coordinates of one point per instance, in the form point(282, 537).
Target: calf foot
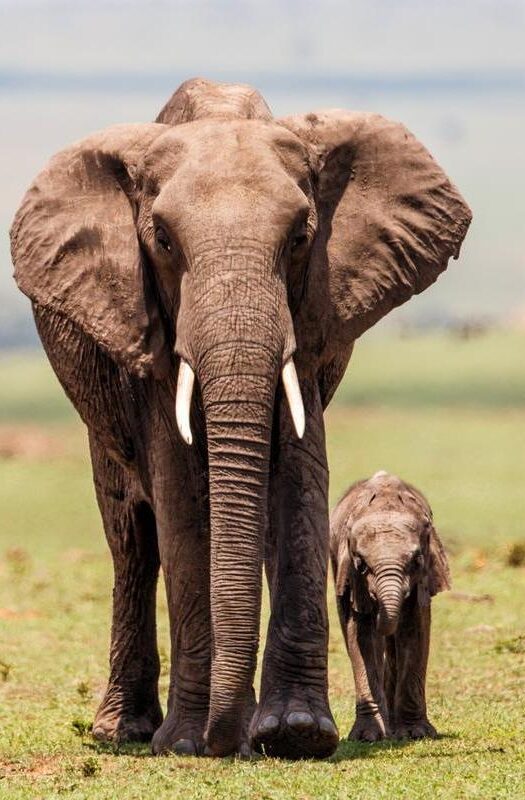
point(121, 718)
point(416, 729)
point(294, 724)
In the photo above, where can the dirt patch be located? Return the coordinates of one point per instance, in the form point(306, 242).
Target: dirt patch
point(470, 598)
point(43, 765)
point(9, 613)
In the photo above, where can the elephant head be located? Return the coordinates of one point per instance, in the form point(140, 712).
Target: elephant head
point(387, 548)
point(226, 245)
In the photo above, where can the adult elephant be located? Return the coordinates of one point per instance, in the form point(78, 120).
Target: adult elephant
point(221, 244)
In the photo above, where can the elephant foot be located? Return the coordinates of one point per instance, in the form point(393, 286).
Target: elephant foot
point(219, 743)
point(188, 740)
point(185, 738)
point(294, 726)
point(219, 746)
point(117, 720)
point(369, 729)
point(416, 729)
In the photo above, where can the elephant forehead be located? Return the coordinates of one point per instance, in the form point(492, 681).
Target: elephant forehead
point(387, 523)
point(227, 146)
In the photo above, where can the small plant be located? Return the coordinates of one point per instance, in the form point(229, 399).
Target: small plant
point(19, 561)
point(90, 767)
point(516, 554)
point(81, 726)
point(83, 690)
point(515, 645)
point(5, 671)
point(164, 661)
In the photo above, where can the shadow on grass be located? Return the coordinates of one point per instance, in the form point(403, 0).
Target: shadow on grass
point(346, 751)
point(350, 750)
point(135, 749)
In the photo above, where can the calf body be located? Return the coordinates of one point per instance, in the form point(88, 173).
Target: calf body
point(388, 561)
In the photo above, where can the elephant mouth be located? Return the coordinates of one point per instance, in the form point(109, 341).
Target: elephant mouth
point(186, 381)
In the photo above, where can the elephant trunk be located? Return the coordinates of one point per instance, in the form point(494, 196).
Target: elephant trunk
point(239, 432)
point(390, 593)
point(242, 338)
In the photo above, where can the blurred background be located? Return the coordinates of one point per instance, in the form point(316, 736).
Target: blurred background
point(452, 72)
point(436, 392)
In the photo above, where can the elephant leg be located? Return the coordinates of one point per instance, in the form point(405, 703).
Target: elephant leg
point(184, 542)
point(390, 678)
point(130, 710)
point(293, 718)
point(366, 650)
point(412, 647)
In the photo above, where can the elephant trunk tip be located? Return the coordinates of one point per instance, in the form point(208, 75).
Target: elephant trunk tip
point(386, 625)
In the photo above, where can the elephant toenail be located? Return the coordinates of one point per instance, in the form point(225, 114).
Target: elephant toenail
point(245, 752)
point(185, 747)
point(269, 724)
point(327, 726)
point(300, 720)
point(100, 734)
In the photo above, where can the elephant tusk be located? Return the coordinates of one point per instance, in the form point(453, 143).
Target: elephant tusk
point(293, 395)
point(185, 383)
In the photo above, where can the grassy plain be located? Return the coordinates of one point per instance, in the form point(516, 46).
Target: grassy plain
point(448, 415)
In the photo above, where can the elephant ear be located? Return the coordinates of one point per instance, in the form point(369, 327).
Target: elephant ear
point(75, 246)
point(388, 219)
point(436, 577)
point(350, 585)
point(342, 566)
point(359, 594)
point(438, 571)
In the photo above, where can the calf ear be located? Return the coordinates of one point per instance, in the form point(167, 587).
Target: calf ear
point(359, 595)
point(342, 567)
point(423, 593)
point(347, 578)
point(438, 571)
point(436, 577)
point(76, 251)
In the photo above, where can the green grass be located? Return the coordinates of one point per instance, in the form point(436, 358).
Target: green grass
point(485, 371)
point(29, 391)
point(461, 441)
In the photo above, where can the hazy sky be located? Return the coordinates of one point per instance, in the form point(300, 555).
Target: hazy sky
point(374, 36)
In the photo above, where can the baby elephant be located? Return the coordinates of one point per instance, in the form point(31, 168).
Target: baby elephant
point(388, 561)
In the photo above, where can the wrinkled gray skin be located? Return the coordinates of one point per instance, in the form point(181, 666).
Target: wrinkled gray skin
point(388, 562)
point(232, 241)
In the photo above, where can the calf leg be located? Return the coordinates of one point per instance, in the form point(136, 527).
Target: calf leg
point(412, 641)
point(366, 650)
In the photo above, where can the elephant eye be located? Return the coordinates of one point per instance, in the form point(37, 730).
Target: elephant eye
point(162, 239)
point(299, 234)
point(299, 241)
point(360, 565)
